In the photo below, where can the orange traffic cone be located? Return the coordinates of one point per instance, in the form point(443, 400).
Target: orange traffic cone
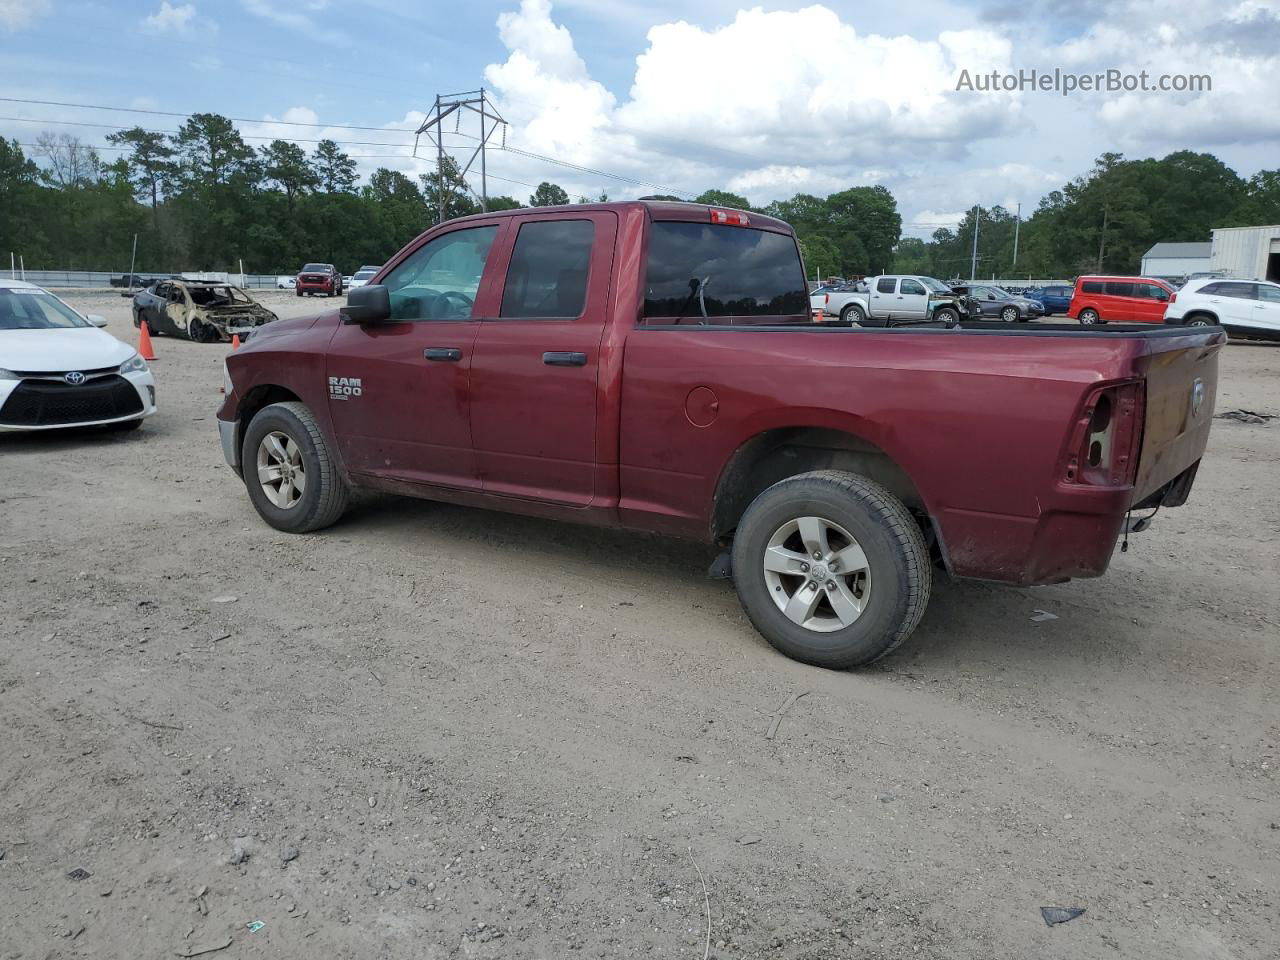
point(144, 342)
point(235, 341)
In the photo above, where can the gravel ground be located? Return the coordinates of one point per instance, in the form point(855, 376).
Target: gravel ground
point(440, 732)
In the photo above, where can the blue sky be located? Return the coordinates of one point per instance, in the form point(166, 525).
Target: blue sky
point(767, 100)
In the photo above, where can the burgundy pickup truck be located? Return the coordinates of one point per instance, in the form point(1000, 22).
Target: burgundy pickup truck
point(653, 366)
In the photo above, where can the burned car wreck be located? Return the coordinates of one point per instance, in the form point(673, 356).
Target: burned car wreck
point(200, 311)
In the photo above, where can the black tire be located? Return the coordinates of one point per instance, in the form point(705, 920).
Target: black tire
point(199, 331)
point(852, 315)
point(1200, 320)
point(1089, 317)
point(325, 495)
point(901, 575)
point(947, 315)
point(298, 292)
point(1010, 315)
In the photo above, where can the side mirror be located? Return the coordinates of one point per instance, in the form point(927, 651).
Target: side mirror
point(368, 304)
point(96, 320)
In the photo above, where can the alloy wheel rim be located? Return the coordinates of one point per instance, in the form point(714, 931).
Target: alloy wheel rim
point(282, 473)
point(817, 574)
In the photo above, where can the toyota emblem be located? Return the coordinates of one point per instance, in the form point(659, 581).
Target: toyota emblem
point(75, 378)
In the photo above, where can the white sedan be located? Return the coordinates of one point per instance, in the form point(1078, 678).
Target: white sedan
point(57, 369)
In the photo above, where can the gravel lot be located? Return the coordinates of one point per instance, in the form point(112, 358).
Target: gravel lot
point(441, 732)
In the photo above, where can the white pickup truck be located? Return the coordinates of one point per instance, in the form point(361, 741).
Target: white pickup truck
point(891, 300)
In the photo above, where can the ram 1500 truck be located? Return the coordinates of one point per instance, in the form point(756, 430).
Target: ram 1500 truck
point(653, 365)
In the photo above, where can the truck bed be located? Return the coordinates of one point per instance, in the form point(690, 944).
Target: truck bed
point(977, 417)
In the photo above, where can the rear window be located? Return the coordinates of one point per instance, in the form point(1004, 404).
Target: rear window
point(1240, 291)
point(1119, 288)
point(1092, 286)
point(698, 270)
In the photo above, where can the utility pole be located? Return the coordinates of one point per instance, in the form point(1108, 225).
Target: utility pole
point(973, 265)
point(1016, 224)
point(478, 102)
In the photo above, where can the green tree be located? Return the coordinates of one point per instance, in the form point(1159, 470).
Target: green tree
point(821, 257)
point(1260, 203)
point(722, 198)
point(150, 163)
point(457, 194)
point(335, 171)
point(548, 195)
point(285, 164)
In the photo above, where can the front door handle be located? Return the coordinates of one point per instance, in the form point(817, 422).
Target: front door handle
point(564, 358)
point(451, 354)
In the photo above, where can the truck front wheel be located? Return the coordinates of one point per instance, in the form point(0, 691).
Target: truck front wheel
point(289, 470)
point(831, 568)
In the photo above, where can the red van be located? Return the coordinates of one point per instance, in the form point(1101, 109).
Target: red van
point(1119, 300)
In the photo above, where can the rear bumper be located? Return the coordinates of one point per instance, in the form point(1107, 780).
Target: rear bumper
point(1074, 537)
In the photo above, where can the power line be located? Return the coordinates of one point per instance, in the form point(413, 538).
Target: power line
point(347, 126)
point(174, 113)
point(244, 136)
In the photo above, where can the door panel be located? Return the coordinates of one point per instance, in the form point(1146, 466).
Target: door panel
point(399, 390)
point(533, 378)
point(912, 299)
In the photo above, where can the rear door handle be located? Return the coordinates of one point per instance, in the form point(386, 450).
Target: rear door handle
point(451, 354)
point(564, 358)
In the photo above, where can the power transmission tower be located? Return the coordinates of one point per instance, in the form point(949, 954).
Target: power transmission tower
point(477, 102)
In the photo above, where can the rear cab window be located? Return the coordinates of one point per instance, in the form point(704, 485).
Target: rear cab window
point(714, 273)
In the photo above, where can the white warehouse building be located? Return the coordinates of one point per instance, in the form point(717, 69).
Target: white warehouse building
point(1250, 253)
point(1169, 261)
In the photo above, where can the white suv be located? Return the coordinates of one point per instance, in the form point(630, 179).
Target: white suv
point(1245, 308)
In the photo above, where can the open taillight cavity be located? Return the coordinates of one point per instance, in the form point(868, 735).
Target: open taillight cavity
point(1104, 443)
point(730, 218)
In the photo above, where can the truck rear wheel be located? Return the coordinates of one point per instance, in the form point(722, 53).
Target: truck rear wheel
point(852, 314)
point(831, 568)
point(289, 471)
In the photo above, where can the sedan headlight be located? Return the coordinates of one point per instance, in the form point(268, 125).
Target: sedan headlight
point(134, 364)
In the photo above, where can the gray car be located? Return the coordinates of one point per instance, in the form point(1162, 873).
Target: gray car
point(1001, 304)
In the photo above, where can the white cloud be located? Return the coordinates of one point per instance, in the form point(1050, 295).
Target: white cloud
point(170, 18)
point(299, 17)
point(772, 102)
point(15, 14)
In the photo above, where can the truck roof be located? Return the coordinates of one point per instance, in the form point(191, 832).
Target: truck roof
point(657, 210)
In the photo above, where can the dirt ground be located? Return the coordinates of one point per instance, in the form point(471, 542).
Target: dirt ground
point(440, 732)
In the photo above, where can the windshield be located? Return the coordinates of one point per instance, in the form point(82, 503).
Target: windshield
point(23, 308)
point(364, 274)
point(935, 286)
point(317, 268)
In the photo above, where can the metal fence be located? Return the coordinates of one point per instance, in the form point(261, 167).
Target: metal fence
point(101, 278)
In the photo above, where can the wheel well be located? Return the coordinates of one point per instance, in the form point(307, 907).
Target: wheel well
point(1192, 314)
point(255, 400)
point(777, 454)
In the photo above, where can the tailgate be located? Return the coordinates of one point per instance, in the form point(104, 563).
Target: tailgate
point(1182, 381)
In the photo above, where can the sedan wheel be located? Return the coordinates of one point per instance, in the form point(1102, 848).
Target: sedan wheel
point(281, 470)
point(1009, 314)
